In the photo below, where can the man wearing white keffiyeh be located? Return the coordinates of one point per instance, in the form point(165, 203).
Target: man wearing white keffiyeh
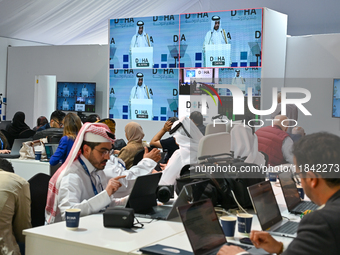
point(80, 181)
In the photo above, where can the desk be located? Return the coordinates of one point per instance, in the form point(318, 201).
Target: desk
point(26, 168)
point(92, 238)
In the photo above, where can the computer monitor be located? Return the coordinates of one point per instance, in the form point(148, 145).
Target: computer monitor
point(76, 96)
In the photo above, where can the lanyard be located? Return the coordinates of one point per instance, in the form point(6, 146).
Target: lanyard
point(87, 171)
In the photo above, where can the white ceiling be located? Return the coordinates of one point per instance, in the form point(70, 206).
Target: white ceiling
point(61, 22)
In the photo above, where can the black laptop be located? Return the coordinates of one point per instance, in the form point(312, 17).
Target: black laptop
point(17, 144)
point(268, 212)
point(144, 202)
point(292, 197)
point(204, 230)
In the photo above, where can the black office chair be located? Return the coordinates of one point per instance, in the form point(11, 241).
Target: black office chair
point(27, 133)
point(139, 155)
point(38, 188)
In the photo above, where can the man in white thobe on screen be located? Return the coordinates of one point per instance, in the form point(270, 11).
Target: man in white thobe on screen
point(141, 38)
point(239, 81)
point(216, 35)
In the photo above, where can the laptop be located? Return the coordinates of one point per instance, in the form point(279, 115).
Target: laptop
point(17, 144)
point(204, 230)
point(291, 195)
point(50, 149)
point(144, 202)
point(268, 212)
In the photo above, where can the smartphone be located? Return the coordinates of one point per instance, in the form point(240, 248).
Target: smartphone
point(246, 240)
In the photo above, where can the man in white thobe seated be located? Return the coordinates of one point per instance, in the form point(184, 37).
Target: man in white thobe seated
point(80, 181)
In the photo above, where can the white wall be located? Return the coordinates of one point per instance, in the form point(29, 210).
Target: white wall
point(312, 63)
point(4, 44)
point(68, 63)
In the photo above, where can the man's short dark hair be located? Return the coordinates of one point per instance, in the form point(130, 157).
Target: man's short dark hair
point(92, 145)
point(173, 119)
point(6, 165)
point(197, 118)
point(319, 151)
point(58, 116)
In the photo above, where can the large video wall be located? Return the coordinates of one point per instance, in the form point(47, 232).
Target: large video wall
point(164, 66)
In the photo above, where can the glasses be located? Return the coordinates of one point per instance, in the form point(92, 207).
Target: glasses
point(105, 152)
point(60, 124)
point(297, 177)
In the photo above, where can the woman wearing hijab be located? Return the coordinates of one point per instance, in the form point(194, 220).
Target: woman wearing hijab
point(244, 144)
point(134, 134)
point(187, 136)
point(18, 125)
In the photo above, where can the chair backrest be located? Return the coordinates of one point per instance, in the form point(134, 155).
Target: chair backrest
point(214, 144)
point(27, 133)
point(213, 128)
point(139, 155)
point(38, 188)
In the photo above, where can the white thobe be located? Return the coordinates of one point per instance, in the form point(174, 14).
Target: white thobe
point(76, 191)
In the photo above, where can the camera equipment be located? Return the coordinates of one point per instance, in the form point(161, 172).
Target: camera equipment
point(164, 193)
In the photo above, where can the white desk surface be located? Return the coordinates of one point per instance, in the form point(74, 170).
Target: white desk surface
point(27, 168)
point(181, 240)
point(93, 238)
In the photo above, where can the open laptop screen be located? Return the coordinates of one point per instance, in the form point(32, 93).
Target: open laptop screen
point(265, 204)
point(202, 226)
point(289, 190)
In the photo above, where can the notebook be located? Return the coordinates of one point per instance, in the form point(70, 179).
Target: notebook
point(204, 231)
point(143, 197)
point(17, 144)
point(291, 195)
point(268, 212)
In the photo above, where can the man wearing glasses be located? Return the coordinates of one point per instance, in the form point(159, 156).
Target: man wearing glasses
point(55, 127)
point(317, 161)
point(80, 181)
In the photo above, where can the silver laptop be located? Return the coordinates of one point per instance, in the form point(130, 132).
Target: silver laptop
point(268, 212)
point(17, 144)
point(204, 230)
point(292, 197)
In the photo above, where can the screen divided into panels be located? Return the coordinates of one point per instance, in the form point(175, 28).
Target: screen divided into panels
point(76, 96)
point(160, 66)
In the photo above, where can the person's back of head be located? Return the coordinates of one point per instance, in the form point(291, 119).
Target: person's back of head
point(6, 165)
point(319, 149)
point(110, 123)
point(72, 125)
point(172, 119)
point(281, 121)
point(92, 118)
point(57, 118)
point(42, 120)
point(197, 118)
point(298, 131)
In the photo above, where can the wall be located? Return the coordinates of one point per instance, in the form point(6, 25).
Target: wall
point(68, 63)
point(312, 63)
point(4, 44)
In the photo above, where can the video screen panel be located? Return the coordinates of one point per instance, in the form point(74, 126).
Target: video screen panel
point(221, 39)
point(149, 94)
point(336, 99)
point(145, 42)
point(76, 96)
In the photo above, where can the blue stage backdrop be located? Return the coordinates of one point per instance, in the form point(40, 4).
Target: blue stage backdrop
point(160, 35)
point(242, 29)
point(162, 87)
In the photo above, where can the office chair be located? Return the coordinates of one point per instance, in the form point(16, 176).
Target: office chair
point(27, 133)
point(139, 155)
point(214, 144)
point(38, 188)
point(213, 128)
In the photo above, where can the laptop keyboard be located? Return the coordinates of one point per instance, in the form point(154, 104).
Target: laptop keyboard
point(288, 228)
point(244, 247)
point(303, 206)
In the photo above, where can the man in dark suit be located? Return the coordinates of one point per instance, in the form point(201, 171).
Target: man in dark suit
point(318, 232)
